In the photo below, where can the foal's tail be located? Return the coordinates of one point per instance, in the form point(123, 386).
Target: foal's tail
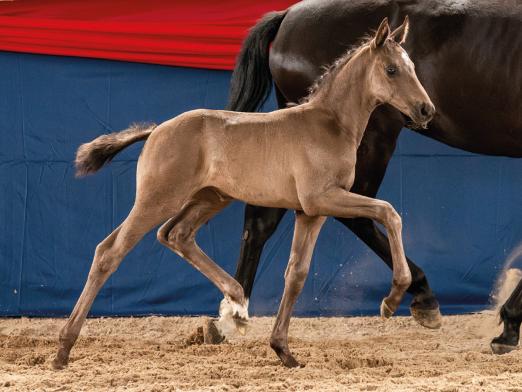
point(251, 81)
point(92, 156)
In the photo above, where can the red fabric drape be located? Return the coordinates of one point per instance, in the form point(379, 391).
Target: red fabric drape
point(198, 33)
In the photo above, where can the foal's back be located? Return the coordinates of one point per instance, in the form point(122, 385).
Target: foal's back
point(254, 157)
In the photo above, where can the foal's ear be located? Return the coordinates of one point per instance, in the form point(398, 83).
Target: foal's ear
point(400, 34)
point(382, 34)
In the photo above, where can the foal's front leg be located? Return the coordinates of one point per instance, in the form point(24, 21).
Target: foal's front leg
point(306, 230)
point(339, 202)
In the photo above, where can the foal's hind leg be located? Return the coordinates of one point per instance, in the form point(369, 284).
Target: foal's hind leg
point(179, 234)
point(260, 223)
point(306, 230)
point(107, 257)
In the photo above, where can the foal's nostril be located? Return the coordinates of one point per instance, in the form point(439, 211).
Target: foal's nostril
point(426, 110)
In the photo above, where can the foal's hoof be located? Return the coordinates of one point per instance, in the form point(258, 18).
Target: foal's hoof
point(386, 311)
point(428, 318)
point(241, 325)
point(290, 362)
point(233, 315)
point(287, 359)
point(284, 354)
point(211, 333)
point(60, 361)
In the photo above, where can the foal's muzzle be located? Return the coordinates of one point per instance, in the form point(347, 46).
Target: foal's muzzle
point(425, 112)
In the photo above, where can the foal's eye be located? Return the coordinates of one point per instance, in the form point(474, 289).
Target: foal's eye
point(391, 70)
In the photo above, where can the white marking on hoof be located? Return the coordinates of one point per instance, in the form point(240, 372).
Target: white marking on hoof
point(241, 328)
point(386, 312)
point(232, 316)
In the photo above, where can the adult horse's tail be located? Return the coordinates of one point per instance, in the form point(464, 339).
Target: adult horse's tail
point(251, 81)
point(92, 156)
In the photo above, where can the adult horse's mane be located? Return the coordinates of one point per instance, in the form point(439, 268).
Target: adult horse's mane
point(433, 7)
point(330, 71)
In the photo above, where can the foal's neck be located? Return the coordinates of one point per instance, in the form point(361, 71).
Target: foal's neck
point(348, 97)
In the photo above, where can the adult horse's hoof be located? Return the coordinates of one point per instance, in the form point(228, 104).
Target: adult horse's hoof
point(500, 348)
point(428, 318)
point(506, 342)
point(386, 311)
point(211, 333)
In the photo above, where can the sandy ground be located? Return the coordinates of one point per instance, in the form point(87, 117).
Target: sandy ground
point(340, 354)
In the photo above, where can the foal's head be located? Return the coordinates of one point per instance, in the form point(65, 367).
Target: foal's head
point(392, 77)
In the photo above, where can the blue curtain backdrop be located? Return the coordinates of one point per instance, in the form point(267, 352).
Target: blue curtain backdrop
point(462, 212)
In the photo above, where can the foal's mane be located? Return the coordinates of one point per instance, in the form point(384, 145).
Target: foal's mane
point(330, 71)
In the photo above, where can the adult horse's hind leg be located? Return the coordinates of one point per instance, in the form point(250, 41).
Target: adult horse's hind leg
point(179, 235)
point(511, 316)
point(306, 230)
point(107, 257)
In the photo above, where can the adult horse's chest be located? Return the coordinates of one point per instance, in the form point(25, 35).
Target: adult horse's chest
point(475, 81)
point(469, 63)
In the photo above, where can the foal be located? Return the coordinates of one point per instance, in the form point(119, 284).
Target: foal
point(300, 158)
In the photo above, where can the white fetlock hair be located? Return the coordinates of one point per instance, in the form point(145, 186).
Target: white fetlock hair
point(229, 311)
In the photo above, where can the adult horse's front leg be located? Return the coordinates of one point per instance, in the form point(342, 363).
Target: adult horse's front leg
point(339, 202)
point(511, 316)
point(306, 230)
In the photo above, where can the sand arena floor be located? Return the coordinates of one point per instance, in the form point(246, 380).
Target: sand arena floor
point(340, 354)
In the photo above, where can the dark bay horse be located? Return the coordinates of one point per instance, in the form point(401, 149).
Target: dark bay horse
point(301, 158)
point(468, 56)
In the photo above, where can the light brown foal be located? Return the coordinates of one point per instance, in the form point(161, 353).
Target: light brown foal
point(300, 158)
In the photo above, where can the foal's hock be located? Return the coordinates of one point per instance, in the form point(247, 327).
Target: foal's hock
point(302, 158)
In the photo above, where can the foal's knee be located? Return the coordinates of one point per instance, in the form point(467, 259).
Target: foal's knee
point(390, 217)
